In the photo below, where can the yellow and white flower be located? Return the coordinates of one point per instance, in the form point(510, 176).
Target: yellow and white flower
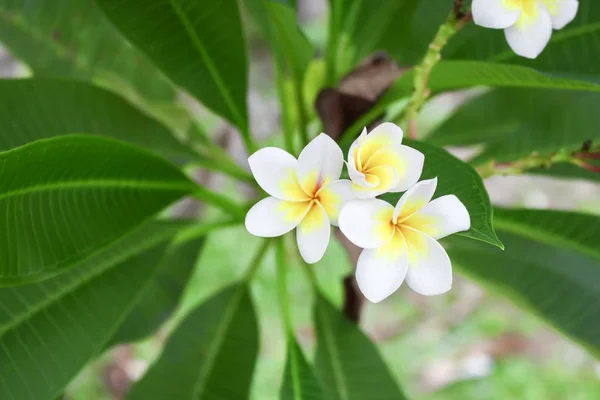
point(527, 24)
point(306, 193)
point(378, 162)
point(401, 242)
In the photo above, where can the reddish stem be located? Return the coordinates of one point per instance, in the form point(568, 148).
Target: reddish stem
point(590, 167)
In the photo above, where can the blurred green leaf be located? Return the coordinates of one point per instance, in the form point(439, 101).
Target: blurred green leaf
point(162, 296)
point(278, 22)
point(347, 363)
point(566, 171)
point(39, 108)
point(573, 50)
point(452, 75)
point(550, 266)
point(199, 46)
point(567, 230)
point(50, 330)
point(458, 178)
point(516, 122)
point(69, 197)
point(211, 355)
point(72, 39)
point(299, 381)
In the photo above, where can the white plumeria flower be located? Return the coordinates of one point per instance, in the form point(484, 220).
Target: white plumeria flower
point(378, 162)
point(527, 24)
point(306, 193)
point(401, 242)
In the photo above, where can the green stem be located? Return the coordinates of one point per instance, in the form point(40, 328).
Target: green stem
point(302, 116)
point(257, 260)
point(521, 165)
point(288, 124)
point(282, 286)
point(219, 201)
point(422, 71)
point(332, 42)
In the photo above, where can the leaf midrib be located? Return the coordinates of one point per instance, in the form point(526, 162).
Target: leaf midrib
point(98, 184)
point(209, 63)
point(217, 343)
point(336, 365)
point(83, 279)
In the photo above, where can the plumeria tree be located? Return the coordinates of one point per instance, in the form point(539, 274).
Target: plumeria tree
point(97, 148)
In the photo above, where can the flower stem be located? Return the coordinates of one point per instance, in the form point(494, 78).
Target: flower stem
point(282, 285)
point(332, 42)
point(257, 260)
point(453, 24)
point(521, 165)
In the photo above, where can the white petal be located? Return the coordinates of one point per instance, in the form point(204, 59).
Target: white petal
point(367, 223)
point(388, 132)
point(320, 162)
point(414, 199)
point(380, 273)
point(272, 217)
point(275, 171)
point(429, 267)
point(441, 217)
point(496, 14)
point(532, 32)
point(352, 153)
point(561, 11)
point(381, 180)
point(334, 196)
point(409, 175)
point(358, 177)
point(313, 234)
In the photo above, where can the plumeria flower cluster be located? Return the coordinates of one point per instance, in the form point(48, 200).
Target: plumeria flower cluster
point(400, 243)
point(527, 24)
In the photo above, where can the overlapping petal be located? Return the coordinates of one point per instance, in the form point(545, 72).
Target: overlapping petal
point(441, 217)
point(430, 270)
point(496, 14)
point(367, 223)
point(532, 31)
point(275, 171)
point(414, 199)
point(273, 217)
point(334, 196)
point(561, 11)
point(381, 271)
point(319, 163)
point(313, 234)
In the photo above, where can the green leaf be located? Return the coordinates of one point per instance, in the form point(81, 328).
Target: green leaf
point(163, 294)
point(72, 39)
point(567, 230)
point(69, 197)
point(347, 362)
point(278, 22)
point(452, 75)
point(516, 122)
point(50, 330)
point(550, 266)
point(211, 355)
point(573, 50)
point(38, 108)
point(198, 46)
point(458, 178)
point(299, 381)
point(566, 171)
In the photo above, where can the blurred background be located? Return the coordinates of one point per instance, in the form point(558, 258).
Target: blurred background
point(467, 344)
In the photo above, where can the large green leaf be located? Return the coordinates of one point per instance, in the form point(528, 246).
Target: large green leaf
point(550, 266)
point(71, 38)
point(50, 330)
point(199, 45)
point(515, 122)
point(347, 362)
point(458, 178)
point(211, 355)
point(452, 75)
point(299, 381)
point(160, 299)
point(575, 49)
point(38, 108)
point(67, 198)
